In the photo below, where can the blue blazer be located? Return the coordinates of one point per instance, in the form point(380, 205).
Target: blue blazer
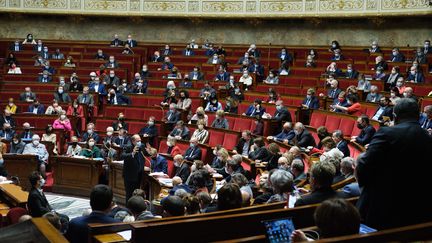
point(259, 70)
point(223, 77)
point(314, 103)
point(86, 136)
point(78, 227)
point(101, 89)
point(398, 58)
point(343, 147)
point(333, 93)
point(423, 119)
point(191, 53)
point(366, 135)
point(418, 77)
point(40, 109)
point(159, 165)
point(251, 111)
point(287, 57)
point(40, 79)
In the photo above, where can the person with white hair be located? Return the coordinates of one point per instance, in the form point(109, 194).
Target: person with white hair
point(36, 148)
point(282, 184)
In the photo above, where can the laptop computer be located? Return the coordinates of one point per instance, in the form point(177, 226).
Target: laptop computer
point(278, 230)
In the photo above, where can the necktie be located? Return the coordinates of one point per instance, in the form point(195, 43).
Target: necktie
point(191, 152)
point(16, 48)
point(332, 93)
point(308, 102)
point(83, 99)
point(425, 124)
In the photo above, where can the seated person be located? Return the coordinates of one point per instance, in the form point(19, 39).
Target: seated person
point(27, 135)
point(333, 91)
point(16, 145)
point(158, 163)
point(286, 135)
point(180, 132)
point(7, 133)
point(101, 198)
point(167, 64)
point(246, 80)
point(182, 168)
point(272, 78)
point(373, 95)
point(297, 170)
point(282, 184)
point(117, 98)
point(188, 51)
point(375, 47)
point(36, 108)
point(303, 137)
point(333, 69)
point(310, 62)
point(122, 140)
point(339, 101)
point(14, 69)
point(351, 73)
point(112, 63)
point(321, 179)
point(54, 109)
point(196, 74)
point(214, 105)
point(172, 149)
point(255, 109)
point(380, 62)
point(92, 151)
point(214, 59)
point(311, 101)
point(171, 116)
point(193, 152)
point(354, 107)
point(244, 144)
point(120, 123)
point(258, 150)
point(337, 55)
point(415, 76)
point(379, 74)
point(366, 133)
point(138, 207)
point(90, 133)
point(220, 121)
point(199, 115)
point(73, 149)
point(222, 75)
point(150, 131)
point(48, 68)
point(38, 149)
point(200, 134)
point(62, 122)
point(44, 77)
point(100, 55)
point(396, 56)
point(231, 105)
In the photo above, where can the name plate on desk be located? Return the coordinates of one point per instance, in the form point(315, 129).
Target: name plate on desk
point(75, 176)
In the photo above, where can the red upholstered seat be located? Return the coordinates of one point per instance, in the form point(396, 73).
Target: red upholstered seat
point(317, 119)
point(171, 168)
point(14, 214)
point(163, 147)
point(332, 123)
point(241, 124)
point(230, 140)
point(246, 166)
point(354, 153)
point(346, 126)
point(216, 137)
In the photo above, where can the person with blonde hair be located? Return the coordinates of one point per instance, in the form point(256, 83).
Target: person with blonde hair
point(220, 121)
point(201, 134)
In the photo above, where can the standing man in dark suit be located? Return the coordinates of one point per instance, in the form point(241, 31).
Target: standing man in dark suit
point(101, 198)
point(341, 143)
point(303, 137)
point(133, 167)
point(193, 152)
point(367, 131)
point(380, 170)
point(37, 203)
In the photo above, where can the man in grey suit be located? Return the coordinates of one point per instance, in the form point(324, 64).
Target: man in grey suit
point(85, 97)
point(27, 95)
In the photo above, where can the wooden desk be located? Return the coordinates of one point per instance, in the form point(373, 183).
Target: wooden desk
point(108, 238)
point(14, 195)
point(21, 166)
point(75, 176)
point(116, 182)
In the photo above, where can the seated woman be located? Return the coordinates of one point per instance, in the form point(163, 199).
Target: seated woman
point(173, 149)
point(246, 80)
point(175, 73)
point(310, 62)
point(11, 59)
point(354, 107)
point(14, 69)
point(11, 107)
point(339, 101)
point(221, 157)
point(199, 115)
point(379, 74)
point(62, 122)
point(322, 133)
point(92, 151)
point(272, 78)
point(200, 134)
point(170, 98)
point(273, 156)
point(50, 136)
point(259, 126)
point(54, 109)
point(17, 146)
point(231, 105)
point(214, 105)
point(220, 121)
point(363, 84)
point(272, 96)
point(184, 101)
point(73, 149)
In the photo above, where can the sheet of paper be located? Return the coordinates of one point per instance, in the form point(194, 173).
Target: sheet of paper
point(127, 234)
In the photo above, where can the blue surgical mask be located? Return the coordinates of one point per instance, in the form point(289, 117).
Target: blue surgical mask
point(138, 144)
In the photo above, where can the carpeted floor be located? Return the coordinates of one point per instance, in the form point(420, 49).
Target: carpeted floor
point(68, 205)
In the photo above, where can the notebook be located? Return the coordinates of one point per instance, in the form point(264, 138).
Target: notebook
point(278, 230)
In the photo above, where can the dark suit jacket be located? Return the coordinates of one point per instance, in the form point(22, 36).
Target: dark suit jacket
point(9, 120)
point(282, 115)
point(116, 42)
point(366, 135)
point(423, 122)
point(151, 131)
point(259, 70)
point(127, 142)
point(88, 100)
point(333, 93)
point(183, 171)
point(40, 109)
point(121, 99)
point(259, 154)
point(353, 74)
point(12, 47)
point(223, 77)
point(78, 230)
point(64, 97)
point(398, 58)
point(37, 203)
point(318, 196)
point(192, 154)
point(157, 59)
point(23, 96)
point(240, 144)
point(116, 125)
point(183, 133)
point(200, 76)
point(343, 147)
point(131, 43)
point(379, 173)
point(26, 137)
point(251, 111)
point(9, 135)
point(35, 48)
point(314, 103)
point(191, 53)
point(86, 137)
point(175, 117)
point(159, 165)
point(305, 139)
point(388, 111)
point(418, 77)
point(40, 79)
point(133, 167)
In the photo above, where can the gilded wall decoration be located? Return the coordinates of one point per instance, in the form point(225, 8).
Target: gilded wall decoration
point(164, 6)
point(223, 8)
point(116, 5)
point(46, 4)
point(281, 6)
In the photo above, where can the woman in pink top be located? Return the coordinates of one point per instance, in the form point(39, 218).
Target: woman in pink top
point(62, 123)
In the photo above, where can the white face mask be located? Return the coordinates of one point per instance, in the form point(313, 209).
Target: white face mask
point(169, 144)
point(200, 127)
point(62, 117)
point(89, 131)
point(109, 133)
point(36, 142)
point(91, 144)
point(112, 75)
